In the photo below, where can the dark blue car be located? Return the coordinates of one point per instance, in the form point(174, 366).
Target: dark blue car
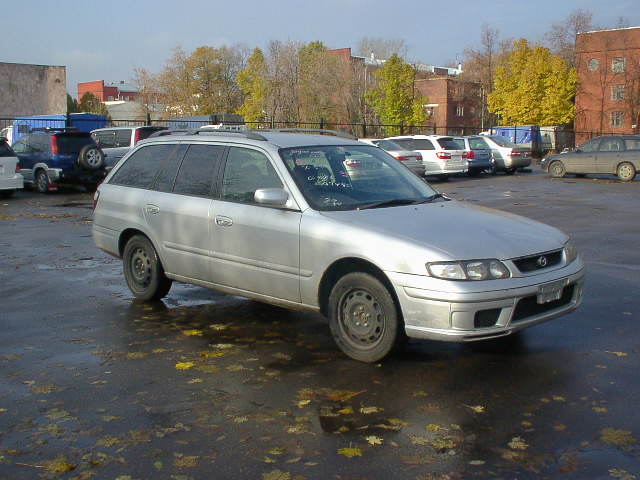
point(51, 157)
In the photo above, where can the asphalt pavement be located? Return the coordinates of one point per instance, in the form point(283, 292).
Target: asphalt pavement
point(96, 385)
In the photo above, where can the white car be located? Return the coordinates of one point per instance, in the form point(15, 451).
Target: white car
point(441, 155)
point(411, 160)
point(10, 177)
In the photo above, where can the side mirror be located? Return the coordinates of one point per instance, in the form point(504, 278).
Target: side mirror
point(271, 196)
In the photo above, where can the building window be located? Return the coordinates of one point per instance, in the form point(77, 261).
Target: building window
point(617, 92)
point(460, 111)
point(618, 64)
point(110, 99)
point(617, 119)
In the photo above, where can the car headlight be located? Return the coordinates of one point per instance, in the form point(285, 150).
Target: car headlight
point(570, 251)
point(490, 269)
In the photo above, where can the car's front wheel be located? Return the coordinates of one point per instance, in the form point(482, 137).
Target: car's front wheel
point(626, 172)
point(143, 270)
point(557, 170)
point(364, 319)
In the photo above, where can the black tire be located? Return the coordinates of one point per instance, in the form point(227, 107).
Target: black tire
point(364, 319)
point(626, 172)
point(42, 181)
point(557, 170)
point(91, 157)
point(143, 270)
point(510, 171)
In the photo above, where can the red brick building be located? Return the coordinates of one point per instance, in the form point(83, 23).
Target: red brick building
point(108, 92)
point(455, 105)
point(608, 93)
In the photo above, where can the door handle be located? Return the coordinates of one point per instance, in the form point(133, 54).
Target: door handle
point(153, 209)
point(223, 221)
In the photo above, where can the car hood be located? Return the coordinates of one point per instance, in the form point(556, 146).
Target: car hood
point(458, 230)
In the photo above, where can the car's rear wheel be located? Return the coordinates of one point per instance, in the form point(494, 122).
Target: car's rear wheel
point(557, 170)
point(91, 157)
point(143, 270)
point(42, 181)
point(364, 319)
point(626, 172)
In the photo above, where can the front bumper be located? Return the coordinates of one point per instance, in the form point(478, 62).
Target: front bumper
point(477, 315)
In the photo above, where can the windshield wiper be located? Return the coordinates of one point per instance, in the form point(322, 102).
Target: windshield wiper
point(388, 203)
point(402, 201)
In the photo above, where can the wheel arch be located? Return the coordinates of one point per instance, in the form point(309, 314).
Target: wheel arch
point(349, 265)
point(127, 235)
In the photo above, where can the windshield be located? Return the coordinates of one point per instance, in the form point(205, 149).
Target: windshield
point(353, 177)
point(503, 142)
point(388, 145)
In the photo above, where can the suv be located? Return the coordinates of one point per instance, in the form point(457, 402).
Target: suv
point(50, 157)
point(479, 155)
point(115, 142)
point(10, 178)
point(441, 155)
point(276, 217)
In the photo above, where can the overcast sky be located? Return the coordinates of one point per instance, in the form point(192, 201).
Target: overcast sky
point(107, 40)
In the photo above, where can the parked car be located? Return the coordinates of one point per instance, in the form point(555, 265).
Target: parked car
point(441, 155)
point(10, 177)
point(479, 156)
point(50, 157)
point(382, 259)
point(115, 142)
point(411, 160)
point(610, 155)
point(508, 157)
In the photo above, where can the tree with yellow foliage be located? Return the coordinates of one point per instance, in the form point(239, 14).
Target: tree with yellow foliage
point(532, 86)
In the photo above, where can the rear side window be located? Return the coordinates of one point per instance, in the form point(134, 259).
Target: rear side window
point(106, 139)
point(478, 144)
point(195, 176)
point(140, 169)
point(632, 143)
point(5, 150)
point(448, 144)
point(72, 143)
point(421, 144)
point(123, 138)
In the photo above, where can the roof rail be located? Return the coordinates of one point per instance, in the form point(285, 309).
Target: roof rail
point(252, 135)
point(317, 131)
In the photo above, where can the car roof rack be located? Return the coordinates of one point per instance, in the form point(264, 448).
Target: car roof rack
point(55, 129)
point(316, 131)
point(250, 134)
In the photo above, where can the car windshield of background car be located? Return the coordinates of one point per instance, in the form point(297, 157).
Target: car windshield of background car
point(388, 145)
point(503, 142)
point(348, 177)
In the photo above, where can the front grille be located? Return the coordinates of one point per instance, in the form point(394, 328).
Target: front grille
point(486, 318)
point(538, 262)
point(529, 306)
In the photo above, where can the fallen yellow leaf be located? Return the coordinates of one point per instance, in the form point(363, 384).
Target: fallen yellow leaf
point(350, 452)
point(184, 365)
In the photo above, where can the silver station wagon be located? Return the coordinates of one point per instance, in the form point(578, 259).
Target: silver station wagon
point(277, 217)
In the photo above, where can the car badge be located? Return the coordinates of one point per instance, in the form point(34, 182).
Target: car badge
point(542, 261)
